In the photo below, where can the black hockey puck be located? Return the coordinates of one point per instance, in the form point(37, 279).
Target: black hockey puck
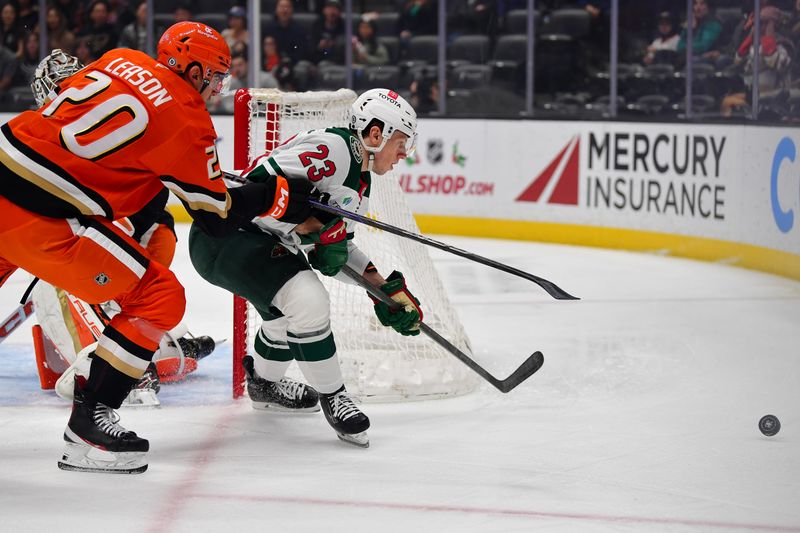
point(769, 425)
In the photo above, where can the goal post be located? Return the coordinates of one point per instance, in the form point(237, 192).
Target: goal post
point(377, 363)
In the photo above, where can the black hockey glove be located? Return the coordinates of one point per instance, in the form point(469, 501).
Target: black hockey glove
point(290, 203)
point(406, 320)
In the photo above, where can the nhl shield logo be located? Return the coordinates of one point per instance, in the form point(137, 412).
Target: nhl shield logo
point(101, 279)
point(435, 151)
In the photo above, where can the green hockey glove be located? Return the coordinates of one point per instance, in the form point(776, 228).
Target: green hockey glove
point(330, 247)
point(328, 259)
point(405, 320)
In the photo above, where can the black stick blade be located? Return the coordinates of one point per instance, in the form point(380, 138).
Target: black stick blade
point(526, 370)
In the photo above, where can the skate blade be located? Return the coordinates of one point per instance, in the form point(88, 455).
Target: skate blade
point(275, 408)
point(142, 398)
point(74, 468)
point(84, 458)
point(356, 439)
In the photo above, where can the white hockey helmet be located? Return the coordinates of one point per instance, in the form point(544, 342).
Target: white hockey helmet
point(50, 72)
point(391, 109)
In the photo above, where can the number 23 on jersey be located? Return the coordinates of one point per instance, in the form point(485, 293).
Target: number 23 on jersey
point(311, 158)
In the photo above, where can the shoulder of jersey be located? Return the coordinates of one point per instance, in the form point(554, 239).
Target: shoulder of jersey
point(352, 142)
point(181, 91)
point(189, 104)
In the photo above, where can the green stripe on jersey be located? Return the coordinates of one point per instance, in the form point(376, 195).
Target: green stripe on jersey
point(259, 174)
point(353, 180)
point(275, 167)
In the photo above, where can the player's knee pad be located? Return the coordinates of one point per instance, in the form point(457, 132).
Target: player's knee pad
point(304, 303)
point(158, 298)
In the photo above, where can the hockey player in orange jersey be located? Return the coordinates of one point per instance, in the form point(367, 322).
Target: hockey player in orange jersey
point(70, 325)
point(117, 133)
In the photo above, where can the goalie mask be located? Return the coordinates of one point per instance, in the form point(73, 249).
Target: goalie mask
point(49, 74)
point(391, 109)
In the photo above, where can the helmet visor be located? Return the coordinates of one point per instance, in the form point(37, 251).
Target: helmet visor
point(411, 144)
point(220, 83)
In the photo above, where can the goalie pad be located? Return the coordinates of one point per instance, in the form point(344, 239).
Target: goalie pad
point(70, 324)
point(171, 362)
point(49, 361)
point(65, 386)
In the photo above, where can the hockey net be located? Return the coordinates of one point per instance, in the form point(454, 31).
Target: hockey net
point(377, 363)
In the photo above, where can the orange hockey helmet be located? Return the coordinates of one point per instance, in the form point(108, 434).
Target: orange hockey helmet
point(187, 43)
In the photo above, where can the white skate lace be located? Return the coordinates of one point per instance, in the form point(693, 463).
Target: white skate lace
point(343, 407)
point(106, 419)
point(290, 389)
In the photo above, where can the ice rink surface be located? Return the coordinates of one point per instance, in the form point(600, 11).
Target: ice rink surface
point(643, 418)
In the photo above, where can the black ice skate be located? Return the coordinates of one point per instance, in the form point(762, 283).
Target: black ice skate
point(345, 418)
point(144, 393)
point(197, 347)
point(95, 442)
point(285, 395)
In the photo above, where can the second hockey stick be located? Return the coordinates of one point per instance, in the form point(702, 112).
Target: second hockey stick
point(15, 319)
point(551, 288)
point(525, 370)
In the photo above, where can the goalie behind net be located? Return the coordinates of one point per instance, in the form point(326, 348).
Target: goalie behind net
point(377, 362)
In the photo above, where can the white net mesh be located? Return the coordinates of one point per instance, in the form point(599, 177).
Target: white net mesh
point(377, 362)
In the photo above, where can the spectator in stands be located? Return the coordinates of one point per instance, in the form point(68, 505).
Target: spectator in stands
point(599, 27)
point(472, 16)
point(72, 11)
point(183, 11)
point(99, 33)
point(290, 38)
point(58, 35)
point(667, 40)
point(239, 81)
point(270, 56)
point(236, 34)
point(134, 35)
point(418, 17)
point(793, 34)
point(28, 15)
point(84, 51)
point(793, 25)
point(366, 48)
point(327, 34)
point(8, 68)
point(29, 60)
point(425, 95)
point(284, 74)
point(774, 58)
point(11, 31)
point(706, 30)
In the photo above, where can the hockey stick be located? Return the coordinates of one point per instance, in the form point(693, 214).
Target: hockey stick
point(551, 288)
point(525, 370)
point(15, 319)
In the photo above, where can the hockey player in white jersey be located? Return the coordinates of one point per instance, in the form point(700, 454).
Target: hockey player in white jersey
point(266, 265)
